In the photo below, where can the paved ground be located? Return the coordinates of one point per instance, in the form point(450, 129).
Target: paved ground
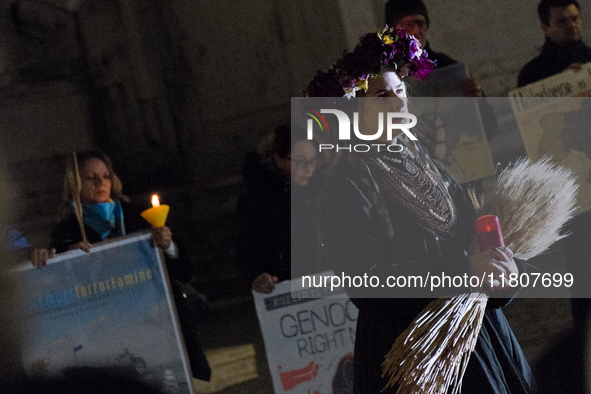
point(237, 324)
point(542, 327)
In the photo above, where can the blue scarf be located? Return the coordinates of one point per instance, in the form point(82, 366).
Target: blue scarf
point(104, 218)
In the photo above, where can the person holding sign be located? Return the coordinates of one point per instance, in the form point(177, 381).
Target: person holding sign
point(564, 48)
point(395, 212)
point(95, 210)
point(412, 17)
point(276, 209)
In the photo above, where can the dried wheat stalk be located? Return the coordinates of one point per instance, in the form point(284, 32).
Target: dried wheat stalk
point(533, 202)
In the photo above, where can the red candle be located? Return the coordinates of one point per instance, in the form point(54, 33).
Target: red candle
point(488, 231)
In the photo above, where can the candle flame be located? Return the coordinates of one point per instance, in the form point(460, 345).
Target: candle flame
point(155, 201)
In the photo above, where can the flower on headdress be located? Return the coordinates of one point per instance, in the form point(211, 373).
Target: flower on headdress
point(347, 82)
point(350, 92)
point(385, 37)
point(415, 48)
point(422, 67)
point(362, 83)
point(390, 49)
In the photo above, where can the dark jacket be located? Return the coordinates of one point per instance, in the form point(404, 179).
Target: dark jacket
point(357, 242)
point(441, 58)
point(67, 231)
point(553, 59)
point(272, 216)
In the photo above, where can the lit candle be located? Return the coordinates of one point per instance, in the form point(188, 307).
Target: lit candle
point(156, 215)
point(488, 232)
point(155, 201)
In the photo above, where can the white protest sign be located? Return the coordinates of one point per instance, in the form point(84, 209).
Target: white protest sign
point(309, 341)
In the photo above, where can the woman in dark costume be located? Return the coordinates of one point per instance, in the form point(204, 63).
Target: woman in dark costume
point(399, 213)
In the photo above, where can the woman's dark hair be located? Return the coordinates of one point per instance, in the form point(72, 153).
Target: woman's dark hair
point(544, 8)
point(280, 141)
point(71, 192)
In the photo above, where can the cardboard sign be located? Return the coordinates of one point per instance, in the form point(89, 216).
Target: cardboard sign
point(553, 118)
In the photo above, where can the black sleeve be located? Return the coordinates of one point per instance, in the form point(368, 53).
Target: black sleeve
point(524, 77)
point(254, 244)
point(65, 234)
point(181, 267)
point(535, 71)
point(358, 244)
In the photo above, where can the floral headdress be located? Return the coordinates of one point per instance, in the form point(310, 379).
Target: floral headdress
point(390, 49)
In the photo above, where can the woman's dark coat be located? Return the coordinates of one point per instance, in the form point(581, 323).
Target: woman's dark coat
point(277, 224)
point(357, 243)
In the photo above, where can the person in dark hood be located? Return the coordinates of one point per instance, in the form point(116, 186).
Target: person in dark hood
point(564, 47)
point(278, 202)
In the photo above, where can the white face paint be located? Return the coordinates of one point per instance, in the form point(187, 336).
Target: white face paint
point(388, 86)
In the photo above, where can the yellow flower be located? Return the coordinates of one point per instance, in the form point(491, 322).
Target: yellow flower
point(362, 83)
point(387, 39)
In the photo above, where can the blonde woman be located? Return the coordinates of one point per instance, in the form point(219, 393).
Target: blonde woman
point(102, 207)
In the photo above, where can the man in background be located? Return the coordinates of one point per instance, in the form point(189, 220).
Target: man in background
point(412, 17)
point(564, 48)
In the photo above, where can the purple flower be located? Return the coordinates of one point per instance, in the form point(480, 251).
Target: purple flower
point(415, 49)
point(376, 52)
point(347, 82)
point(422, 67)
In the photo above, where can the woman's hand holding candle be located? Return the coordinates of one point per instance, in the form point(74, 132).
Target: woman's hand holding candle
point(162, 237)
point(496, 261)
